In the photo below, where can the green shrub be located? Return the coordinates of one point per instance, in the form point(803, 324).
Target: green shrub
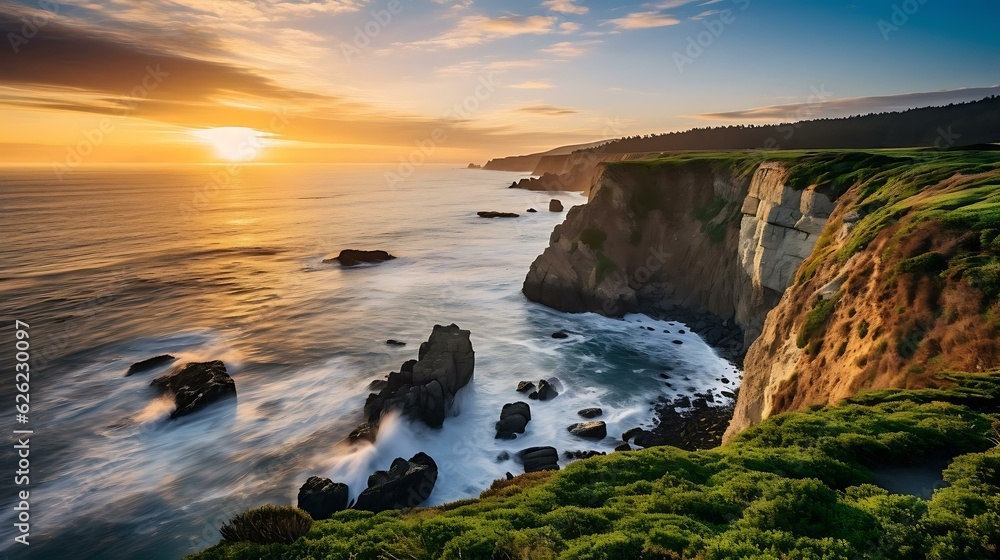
point(267, 525)
point(816, 319)
point(863, 329)
point(593, 238)
point(925, 263)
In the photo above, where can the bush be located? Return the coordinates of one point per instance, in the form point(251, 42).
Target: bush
point(816, 320)
point(925, 263)
point(268, 525)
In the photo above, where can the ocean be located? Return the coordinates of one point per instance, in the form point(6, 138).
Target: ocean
point(112, 265)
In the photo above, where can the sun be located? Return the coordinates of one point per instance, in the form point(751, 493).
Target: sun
point(234, 143)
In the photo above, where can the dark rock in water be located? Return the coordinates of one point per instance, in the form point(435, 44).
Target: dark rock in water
point(546, 391)
point(498, 215)
point(650, 329)
point(149, 363)
point(378, 385)
point(555, 205)
point(524, 386)
point(560, 334)
point(678, 341)
point(681, 331)
point(728, 394)
point(503, 456)
point(509, 475)
point(366, 431)
point(724, 380)
point(582, 454)
point(474, 166)
point(354, 257)
point(196, 385)
point(589, 430)
point(537, 459)
point(513, 419)
point(533, 396)
point(405, 485)
point(394, 342)
point(683, 402)
point(322, 497)
point(699, 403)
point(624, 447)
point(532, 210)
point(590, 412)
point(514, 185)
point(425, 389)
point(631, 433)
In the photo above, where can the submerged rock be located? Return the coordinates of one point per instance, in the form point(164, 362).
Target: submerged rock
point(149, 363)
point(322, 497)
point(498, 215)
point(560, 334)
point(405, 485)
point(354, 257)
point(514, 417)
point(537, 459)
point(589, 430)
point(425, 388)
point(196, 385)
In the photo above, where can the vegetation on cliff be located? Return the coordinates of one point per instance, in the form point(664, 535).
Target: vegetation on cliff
point(799, 485)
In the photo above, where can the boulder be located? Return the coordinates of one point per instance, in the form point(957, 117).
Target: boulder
point(354, 257)
point(196, 385)
point(525, 386)
point(589, 430)
point(405, 485)
point(322, 497)
point(555, 205)
point(149, 363)
point(514, 417)
point(590, 412)
point(498, 215)
point(539, 459)
point(560, 334)
point(546, 390)
point(425, 388)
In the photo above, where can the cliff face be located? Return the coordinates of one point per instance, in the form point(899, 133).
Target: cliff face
point(692, 238)
point(846, 271)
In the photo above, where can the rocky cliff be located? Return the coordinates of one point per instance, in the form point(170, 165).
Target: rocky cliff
point(846, 271)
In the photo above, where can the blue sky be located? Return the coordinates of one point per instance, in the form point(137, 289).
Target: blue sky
point(503, 77)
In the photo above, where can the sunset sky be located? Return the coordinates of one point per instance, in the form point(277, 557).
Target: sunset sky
point(357, 80)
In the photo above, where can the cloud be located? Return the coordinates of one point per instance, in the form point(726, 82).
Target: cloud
point(856, 105)
point(497, 66)
point(568, 27)
point(644, 20)
point(705, 14)
point(569, 49)
point(548, 110)
point(533, 85)
point(477, 30)
point(565, 7)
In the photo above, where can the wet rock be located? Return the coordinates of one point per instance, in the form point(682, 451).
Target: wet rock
point(405, 485)
point(196, 385)
point(681, 331)
point(560, 334)
point(582, 454)
point(624, 447)
point(555, 205)
point(355, 257)
point(513, 185)
point(149, 363)
point(677, 341)
point(322, 497)
point(532, 210)
point(631, 433)
point(378, 384)
point(589, 430)
point(728, 394)
point(366, 431)
point(537, 459)
point(591, 412)
point(525, 386)
point(546, 390)
point(503, 456)
point(497, 215)
point(514, 417)
point(425, 388)
point(394, 342)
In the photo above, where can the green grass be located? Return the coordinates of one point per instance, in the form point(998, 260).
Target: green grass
point(815, 322)
point(798, 485)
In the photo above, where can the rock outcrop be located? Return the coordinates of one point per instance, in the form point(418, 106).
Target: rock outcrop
point(425, 388)
point(514, 417)
point(406, 484)
point(150, 363)
point(555, 205)
point(196, 385)
point(322, 497)
point(355, 257)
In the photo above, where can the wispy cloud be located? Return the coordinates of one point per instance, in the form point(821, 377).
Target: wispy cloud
point(533, 85)
point(857, 105)
point(644, 20)
point(569, 49)
point(477, 30)
point(565, 7)
point(548, 110)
